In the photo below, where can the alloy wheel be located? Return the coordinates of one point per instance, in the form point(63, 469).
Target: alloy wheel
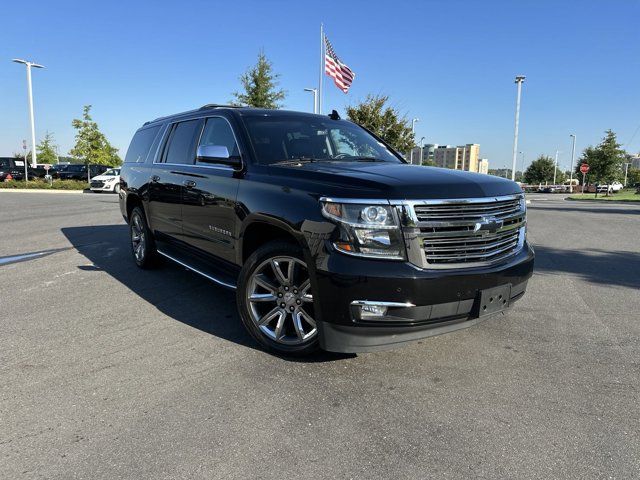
point(138, 240)
point(280, 300)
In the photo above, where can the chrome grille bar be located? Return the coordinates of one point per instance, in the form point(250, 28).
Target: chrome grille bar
point(463, 233)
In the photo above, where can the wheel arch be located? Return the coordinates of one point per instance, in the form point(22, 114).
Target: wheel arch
point(261, 230)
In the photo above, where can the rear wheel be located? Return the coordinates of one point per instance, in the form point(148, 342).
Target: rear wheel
point(275, 301)
point(143, 247)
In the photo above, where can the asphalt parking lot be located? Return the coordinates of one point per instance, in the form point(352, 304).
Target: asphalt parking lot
point(110, 372)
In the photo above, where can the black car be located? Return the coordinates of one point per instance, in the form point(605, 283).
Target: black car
point(328, 236)
point(15, 167)
point(79, 172)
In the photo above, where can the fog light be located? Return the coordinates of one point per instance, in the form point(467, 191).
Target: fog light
point(372, 311)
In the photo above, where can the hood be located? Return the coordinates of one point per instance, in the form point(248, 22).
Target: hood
point(395, 180)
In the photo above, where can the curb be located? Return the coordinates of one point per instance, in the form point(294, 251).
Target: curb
point(614, 202)
point(41, 190)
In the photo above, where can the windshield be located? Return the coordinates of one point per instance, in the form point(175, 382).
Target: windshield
point(112, 172)
point(303, 137)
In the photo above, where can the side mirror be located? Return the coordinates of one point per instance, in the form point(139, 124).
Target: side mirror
point(217, 154)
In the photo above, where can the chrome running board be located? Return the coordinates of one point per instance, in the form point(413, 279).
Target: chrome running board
point(200, 272)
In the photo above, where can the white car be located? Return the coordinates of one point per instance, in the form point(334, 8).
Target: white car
point(616, 186)
point(108, 181)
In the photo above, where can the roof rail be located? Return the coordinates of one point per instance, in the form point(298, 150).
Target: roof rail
point(217, 105)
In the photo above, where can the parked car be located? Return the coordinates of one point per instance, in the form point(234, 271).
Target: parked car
point(15, 167)
point(79, 172)
point(616, 186)
point(108, 181)
point(328, 236)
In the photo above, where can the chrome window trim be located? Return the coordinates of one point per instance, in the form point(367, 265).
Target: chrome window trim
point(167, 129)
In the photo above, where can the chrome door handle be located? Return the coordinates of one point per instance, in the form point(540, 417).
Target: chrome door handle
point(155, 178)
point(189, 183)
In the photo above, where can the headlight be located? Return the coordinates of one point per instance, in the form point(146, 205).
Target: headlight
point(366, 230)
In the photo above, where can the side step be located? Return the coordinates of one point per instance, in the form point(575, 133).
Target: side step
point(222, 275)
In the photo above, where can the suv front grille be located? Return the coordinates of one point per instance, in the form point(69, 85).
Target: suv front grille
point(464, 232)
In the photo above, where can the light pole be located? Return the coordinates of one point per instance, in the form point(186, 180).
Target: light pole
point(519, 80)
point(315, 97)
point(422, 146)
point(30, 92)
point(413, 130)
point(573, 153)
point(522, 179)
point(555, 167)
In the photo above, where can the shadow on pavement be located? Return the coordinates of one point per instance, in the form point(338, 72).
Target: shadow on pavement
point(593, 265)
point(178, 293)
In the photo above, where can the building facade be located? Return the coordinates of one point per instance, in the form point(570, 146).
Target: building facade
point(465, 157)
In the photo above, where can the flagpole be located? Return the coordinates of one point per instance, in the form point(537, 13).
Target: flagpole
point(321, 68)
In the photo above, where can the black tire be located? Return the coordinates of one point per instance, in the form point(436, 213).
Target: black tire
point(298, 321)
point(144, 250)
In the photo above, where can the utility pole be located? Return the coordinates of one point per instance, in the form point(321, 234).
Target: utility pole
point(519, 80)
point(573, 153)
point(30, 94)
point(626, 170)
point(555, 168)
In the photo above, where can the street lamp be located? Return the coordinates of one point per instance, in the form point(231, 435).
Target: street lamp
point(315, 97)
point(555, 167)
point(522, 153)
point(30, 92)
point(421, 147)
point(519, 80)
point(573, 152)
point(413, 130)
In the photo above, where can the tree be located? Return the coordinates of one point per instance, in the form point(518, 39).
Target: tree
point(541, 171)
point(46, 150)
point(605, 160)
point(92, 147)
point(260, 86)
point(384, 121)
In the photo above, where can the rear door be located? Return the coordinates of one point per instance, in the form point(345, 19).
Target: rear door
point(167, 179)
point(209, 195)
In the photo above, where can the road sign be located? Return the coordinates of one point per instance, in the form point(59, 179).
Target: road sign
point(584, 168)
point(47, 167)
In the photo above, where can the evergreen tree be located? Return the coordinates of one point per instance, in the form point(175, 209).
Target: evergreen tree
point(259, 85)
point(46, 150)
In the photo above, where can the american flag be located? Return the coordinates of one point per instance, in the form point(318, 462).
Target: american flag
point(342, 75)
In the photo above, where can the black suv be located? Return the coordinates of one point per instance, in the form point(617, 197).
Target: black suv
point(79, 171)
point(15, 167)
point(329, 237)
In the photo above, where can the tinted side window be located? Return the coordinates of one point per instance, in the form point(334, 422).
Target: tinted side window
point(217, 131)
point(140, 145)
point(182, 144)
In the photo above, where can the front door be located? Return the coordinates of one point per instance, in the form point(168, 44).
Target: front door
point(209, 196)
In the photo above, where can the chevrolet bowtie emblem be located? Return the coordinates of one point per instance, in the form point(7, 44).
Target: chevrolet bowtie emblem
point(490, 225)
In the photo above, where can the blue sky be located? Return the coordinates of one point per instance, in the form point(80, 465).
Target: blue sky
point(450, 63)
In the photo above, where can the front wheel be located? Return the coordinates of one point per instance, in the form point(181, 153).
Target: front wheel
point(275, 301)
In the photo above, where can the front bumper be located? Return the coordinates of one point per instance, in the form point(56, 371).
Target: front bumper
point(443, 300)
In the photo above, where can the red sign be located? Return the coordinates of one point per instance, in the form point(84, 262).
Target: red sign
point(584, 168)
point(47, 167)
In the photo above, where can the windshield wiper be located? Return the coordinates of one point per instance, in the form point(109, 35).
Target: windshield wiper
point(368, 159)
point(295, 161)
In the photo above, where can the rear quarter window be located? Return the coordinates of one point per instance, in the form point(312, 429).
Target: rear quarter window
point(141, 144)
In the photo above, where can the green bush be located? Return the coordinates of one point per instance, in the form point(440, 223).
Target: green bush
point(42, 185)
